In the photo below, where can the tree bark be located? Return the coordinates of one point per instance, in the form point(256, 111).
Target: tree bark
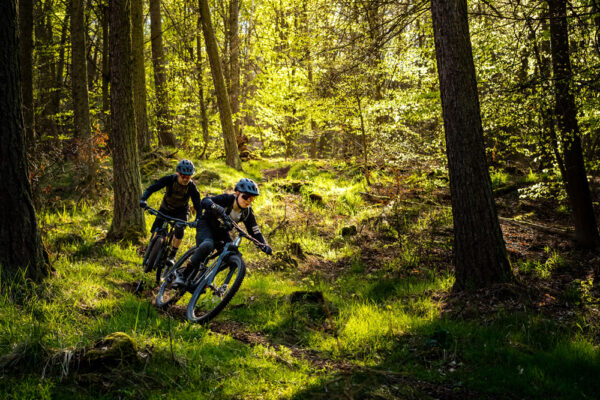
point(163, 113)
point(21, 249)
point(578, 191)
point(105, 68)
point(26, 59)
point(234, 74)
point(200, 70)
point(232, 157)
point(479, 250)
point(139, 74)
point(128, 219)
point(79, 87)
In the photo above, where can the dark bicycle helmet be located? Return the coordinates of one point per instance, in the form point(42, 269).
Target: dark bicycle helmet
point(186, 167)
point(246, 185)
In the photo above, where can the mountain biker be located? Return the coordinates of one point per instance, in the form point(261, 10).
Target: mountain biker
point(213, 225)
point(179, 190)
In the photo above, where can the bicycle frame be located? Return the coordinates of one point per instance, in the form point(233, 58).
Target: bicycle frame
point(208, 276)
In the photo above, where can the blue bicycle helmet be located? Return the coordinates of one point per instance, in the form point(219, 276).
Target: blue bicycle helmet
point(186, 167)
point(246, 185)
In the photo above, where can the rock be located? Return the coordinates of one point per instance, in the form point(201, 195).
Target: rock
point(115, 349)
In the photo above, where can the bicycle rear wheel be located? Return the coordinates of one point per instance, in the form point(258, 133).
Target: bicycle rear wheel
point(209, 300)
point(167, 294)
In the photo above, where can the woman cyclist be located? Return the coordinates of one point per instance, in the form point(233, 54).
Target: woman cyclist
point(213, 225)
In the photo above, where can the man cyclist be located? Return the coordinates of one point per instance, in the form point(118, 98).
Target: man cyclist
point(179, 190)
point(213, 225)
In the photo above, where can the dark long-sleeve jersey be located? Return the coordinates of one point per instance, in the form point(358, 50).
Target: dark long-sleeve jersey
point(176, 196)
point(226, 201)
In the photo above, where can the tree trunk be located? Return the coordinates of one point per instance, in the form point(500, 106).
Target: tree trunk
point(128, 219)
point(203, 114)
point(578, 191)
point(479, 250)
point(21, 249)
point(46, 124)
point(79, 86)
point(163, 113)
point(365, 145)
point(60, 66)
point(105, 68)
point(139, 74)
point(26, 59)
point(234, 74)
point(232, 157)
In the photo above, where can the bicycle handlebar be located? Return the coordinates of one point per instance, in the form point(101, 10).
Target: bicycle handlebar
point(192, 224)
point(173, 221)
point(246, 235)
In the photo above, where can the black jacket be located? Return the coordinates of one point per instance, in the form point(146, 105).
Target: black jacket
point(226, 201)
point(177, 196)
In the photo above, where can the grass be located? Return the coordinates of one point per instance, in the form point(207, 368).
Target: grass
point(382, 313)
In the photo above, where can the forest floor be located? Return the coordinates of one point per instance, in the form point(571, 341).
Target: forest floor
point(356, 303)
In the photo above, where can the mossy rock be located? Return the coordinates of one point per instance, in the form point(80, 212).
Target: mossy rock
point(118, 348)
point(207, 177)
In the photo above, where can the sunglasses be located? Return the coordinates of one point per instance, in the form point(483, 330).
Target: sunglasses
point(247, 197)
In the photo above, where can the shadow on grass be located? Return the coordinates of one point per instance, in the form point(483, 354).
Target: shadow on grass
point(515, 356)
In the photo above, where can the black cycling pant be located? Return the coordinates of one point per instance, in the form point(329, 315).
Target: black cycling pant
point(206, 239)
point(178, 214)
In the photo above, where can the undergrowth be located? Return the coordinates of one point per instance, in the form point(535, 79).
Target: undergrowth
point(378, 320)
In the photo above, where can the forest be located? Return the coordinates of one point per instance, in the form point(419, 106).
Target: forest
point(403, 198)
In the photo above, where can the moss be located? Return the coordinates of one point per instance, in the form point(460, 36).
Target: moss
point(115, 349)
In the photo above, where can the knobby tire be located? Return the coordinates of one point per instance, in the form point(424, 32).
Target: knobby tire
point(205, 303)
point(154, 256)
point(167, 295)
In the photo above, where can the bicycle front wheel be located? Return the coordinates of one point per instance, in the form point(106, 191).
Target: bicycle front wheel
point(154, 253)
point(167, 294)
point(209, 299)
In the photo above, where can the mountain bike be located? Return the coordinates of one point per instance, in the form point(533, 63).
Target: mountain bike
point(160, 247)
point(212, 287)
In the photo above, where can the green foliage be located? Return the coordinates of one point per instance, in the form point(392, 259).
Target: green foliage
point(382, 306)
